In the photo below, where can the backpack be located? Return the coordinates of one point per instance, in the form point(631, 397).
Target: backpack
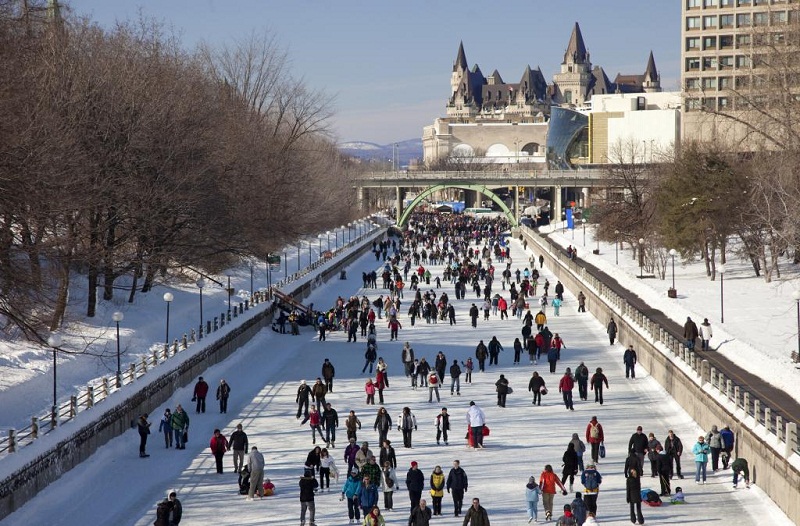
point(433, 379)
point(591, 481)
point(594, 432)
point(389, 481)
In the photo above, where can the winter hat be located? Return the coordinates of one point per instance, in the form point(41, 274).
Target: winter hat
point(414, 464)
point(171, 493)
point(354, 471)
point(472, 403)
point(594, 419)
point(567, 507)
point(590, 466)
point(303, 382)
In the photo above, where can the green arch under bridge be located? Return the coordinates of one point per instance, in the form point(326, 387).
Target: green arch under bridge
point(463, 186)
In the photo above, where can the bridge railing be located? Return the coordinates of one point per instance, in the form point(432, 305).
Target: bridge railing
point(526, 175)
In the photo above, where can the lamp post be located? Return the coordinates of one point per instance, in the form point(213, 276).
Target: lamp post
point(319, 256)
point(200, 284)
point(118, 317)
point(583, 222)
point(721, 270)
point(54, 341)
point(285, 266)
point(229, 295)
point(251, 277)
point(796, 296)
point(298, 255)
point(168, 297)
point(349, 232)
point(641, 258)
point(673, 252)
point(342, 227)
point(328, 233)
point(616, 246)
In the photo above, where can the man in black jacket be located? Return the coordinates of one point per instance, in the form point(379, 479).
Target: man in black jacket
point(303, 394)
point(238, 444)
point(457, 485)
point(307, 486)
point(638, 444)
point(455, 378)
point(420, 515)
point(415, 482)
point(330, 421)
point(674, 448)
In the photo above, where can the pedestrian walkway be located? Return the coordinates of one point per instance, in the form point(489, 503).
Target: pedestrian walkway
point(265, 374)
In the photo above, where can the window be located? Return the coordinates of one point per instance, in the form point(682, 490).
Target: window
point(692, 84)
point(778, 38)
point(760, 19)
point(742, 41)
point(693, 22)
point(742, 82)
point(725, 83)
point(723, 103)
point(568, 97)
point(744, 2)
point(710, 21)
point(726, 62)
point(692, 4)
point(760, 2)
point(725, 41)
point(727, 3)
point(692, 43)
point(709, 83)
point(710, 3)
point(709, 63)
point(726, 20)
point(778, 18)
point(710, 104)
point(743, 20)
point(692, 104)
point(693, 64)
point(742, 61)
point(709, 42)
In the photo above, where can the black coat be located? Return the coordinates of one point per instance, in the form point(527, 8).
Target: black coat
point(420, 517)
point(415, 480)
point(632, 462)
point(633, 490)
point(570, 459)
point(388, 455)
point(457, 479)
point(638, 443)
point(307, 487)
point(238, 441)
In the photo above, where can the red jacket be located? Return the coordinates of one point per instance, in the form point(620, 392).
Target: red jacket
point(219, 444)
point(201, 389)
point(502, 304)
point(314, 418)
point(566, 383)
point(589, 433)
point(548, 481)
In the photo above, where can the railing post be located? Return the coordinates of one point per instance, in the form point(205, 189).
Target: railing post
point(791, 439)
point(34, 427)
point(222, 319)
point(746, 402)
point(736, 396)
point(768, 419)
point(12, 437)
point(200, 333)
point(235, 311)
point(89, 396)
point(705, 372)
point(757, 410)
point(73, 406)
point(729, 389)
point(779, 430)
point(175, 346)
point(192, 336)
point(132, 368)
point(104, 386)
point(144, 364)
point(185, 340)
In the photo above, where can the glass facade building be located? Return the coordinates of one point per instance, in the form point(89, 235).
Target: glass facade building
point(567, 139)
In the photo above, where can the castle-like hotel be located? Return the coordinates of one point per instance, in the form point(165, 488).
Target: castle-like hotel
point(524, 123)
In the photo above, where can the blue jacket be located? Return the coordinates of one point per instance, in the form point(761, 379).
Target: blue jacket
point(367, 496)
point(700, 452)
point(552, 354)
point(727, 438)
point(351, 487)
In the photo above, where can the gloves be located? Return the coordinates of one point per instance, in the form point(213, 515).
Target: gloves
point(564, 492)
point(398, 428)
point(341, 498)
point(415, 428)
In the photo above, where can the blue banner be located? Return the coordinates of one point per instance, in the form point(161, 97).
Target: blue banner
point(570, 219)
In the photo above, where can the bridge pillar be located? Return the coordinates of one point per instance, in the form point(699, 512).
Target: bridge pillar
point(471, 199)
point(360, 198)
point(399, 201)
point(556, 206)
point(516, 203)
point(585, 198)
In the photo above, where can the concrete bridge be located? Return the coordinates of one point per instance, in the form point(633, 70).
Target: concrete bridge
point(559, 185)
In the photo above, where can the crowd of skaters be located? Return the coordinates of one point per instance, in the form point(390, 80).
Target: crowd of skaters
point(432, 241)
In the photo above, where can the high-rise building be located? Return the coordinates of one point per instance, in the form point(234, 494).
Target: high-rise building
point(720, 40)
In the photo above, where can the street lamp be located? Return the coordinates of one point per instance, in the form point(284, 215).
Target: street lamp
point(616, 246)
point(721, 270)
point(54, 341)
point(641, 258)
point(319, 256)
point(342, 227)
point(796, 296)
point(583, 221)
point(298, 255)
point(200, 284)
point(672, 253)
point(328, 233)
point(118, 317)
point(229, 295)
point(349, 232)
point(168, 297)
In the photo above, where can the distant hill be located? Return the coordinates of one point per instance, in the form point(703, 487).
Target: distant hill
point(406, 151)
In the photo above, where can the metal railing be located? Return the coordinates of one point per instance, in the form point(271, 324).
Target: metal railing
point(101, 388)
point(738, 396)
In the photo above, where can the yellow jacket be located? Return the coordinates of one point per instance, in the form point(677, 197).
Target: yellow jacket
point(437, 484)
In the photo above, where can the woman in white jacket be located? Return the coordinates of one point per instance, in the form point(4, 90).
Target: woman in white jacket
point(406, 422)
point(705, 334)
point(327, 466)
point(388, 484)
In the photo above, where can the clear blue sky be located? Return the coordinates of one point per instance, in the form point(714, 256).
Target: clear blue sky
point(388, 63)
